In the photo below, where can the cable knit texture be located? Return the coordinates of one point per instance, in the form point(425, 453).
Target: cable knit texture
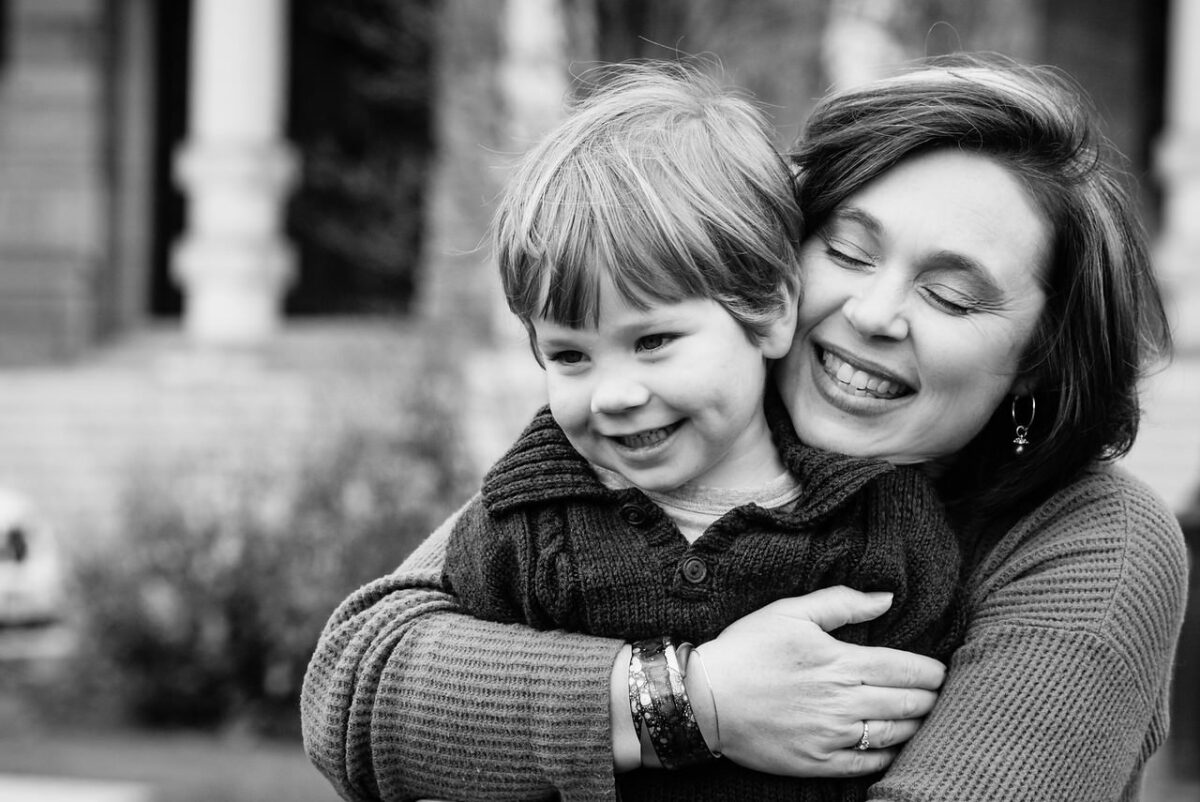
point(1058, 692)
point(550, 546)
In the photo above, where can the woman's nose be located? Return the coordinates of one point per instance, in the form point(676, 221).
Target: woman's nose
point(876, 310)
point(618, 391)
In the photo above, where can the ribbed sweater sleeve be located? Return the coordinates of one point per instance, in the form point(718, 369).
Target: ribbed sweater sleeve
point(1059, 691)
point(407, 697)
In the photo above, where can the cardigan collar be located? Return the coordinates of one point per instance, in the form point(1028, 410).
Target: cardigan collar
point(543, 467)
point(827, 479)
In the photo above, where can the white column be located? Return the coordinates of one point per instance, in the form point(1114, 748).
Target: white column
point(859, 43)
point(534, 82)
point(1179, 174)
point(531, 80)
point(534, 74)
point(233, 263)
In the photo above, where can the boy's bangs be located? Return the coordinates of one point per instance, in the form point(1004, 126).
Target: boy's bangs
point(625, 238)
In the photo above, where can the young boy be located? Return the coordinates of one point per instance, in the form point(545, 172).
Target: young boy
point(650, 246)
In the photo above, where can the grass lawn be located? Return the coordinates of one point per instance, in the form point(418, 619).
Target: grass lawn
point(178, 767)
point(52, 726)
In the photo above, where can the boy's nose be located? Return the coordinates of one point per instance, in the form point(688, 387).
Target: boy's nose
point(876, 310)
point(618, 391)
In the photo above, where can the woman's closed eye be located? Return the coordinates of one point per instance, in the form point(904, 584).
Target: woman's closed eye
point(847, 254)
point(950, 300)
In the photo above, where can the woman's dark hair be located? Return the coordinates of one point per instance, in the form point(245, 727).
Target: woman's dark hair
point(1103, 324)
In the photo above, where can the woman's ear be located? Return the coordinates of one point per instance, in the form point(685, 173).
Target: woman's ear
point(776, 340)
point(1024, 385)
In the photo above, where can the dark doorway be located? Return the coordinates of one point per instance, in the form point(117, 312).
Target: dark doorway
point(360, 116)
point(1116, 49)
point(173, 28)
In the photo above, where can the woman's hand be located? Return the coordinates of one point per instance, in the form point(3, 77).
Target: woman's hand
point(792, 700)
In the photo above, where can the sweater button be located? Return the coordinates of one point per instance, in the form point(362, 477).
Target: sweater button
point(633, 515)
point(694, 570)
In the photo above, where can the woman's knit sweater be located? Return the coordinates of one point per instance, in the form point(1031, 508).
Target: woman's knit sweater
point(1059, 690)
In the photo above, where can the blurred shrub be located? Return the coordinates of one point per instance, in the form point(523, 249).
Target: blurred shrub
point(227, 570)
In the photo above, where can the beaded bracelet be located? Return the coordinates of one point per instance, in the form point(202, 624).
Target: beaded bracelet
point(659, 703)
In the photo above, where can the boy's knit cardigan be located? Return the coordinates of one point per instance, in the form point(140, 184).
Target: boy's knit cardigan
point(548, 545)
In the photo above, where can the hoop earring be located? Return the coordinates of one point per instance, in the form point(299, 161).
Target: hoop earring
point(1022, 429)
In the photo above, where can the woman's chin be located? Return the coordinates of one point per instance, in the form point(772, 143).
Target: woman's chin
point(830, 436)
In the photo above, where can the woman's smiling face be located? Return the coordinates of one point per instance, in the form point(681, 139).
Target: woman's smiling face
point(920, 294)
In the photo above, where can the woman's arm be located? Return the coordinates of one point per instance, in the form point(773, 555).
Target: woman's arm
point(1060, 689)
point(406, 697)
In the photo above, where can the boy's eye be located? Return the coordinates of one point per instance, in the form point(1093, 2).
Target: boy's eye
point(652, 342)
point(567, 357)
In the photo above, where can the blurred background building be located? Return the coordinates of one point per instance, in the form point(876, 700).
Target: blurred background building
point(246, 313)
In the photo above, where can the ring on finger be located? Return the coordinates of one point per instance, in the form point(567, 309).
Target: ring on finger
point(864, 743)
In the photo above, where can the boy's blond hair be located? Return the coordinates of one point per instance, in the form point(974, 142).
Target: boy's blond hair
point(662, 181)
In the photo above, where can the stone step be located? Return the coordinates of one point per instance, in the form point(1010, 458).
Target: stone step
point(21, 788)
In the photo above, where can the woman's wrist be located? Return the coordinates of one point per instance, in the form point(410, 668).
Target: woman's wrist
point(700, 692)
point(660, 706)
point(627, 749)
point(691, 706)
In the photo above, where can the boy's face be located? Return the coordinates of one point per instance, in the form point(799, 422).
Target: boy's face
point(666, 395)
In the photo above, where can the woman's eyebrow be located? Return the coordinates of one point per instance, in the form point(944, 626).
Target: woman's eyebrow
point(854, 214)
point(961, 263)
point(945, 259)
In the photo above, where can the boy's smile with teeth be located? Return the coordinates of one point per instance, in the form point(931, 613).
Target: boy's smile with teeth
point(646, 438)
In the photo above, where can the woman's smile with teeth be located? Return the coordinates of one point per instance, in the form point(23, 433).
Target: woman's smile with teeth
point(858, 380)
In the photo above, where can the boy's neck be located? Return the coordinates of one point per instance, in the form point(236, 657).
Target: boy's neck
point(782, 484)
point(693, 507)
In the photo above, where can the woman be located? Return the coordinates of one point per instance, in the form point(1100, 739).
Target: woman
point(977, 298)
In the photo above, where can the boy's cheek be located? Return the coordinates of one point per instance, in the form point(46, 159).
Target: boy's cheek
point(568, 409)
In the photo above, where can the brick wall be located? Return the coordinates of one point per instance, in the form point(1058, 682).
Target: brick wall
point(52, 179)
